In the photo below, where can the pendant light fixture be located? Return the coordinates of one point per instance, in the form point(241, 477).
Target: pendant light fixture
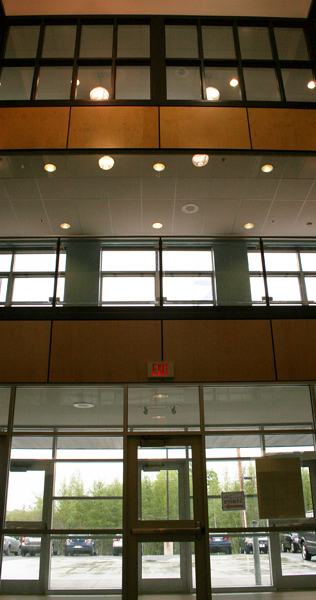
point(99, 92)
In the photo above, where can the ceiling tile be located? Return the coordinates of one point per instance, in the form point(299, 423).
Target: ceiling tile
point(158, 188)
point(191, 189)
point(94, 217)
point(32, 217)
point(9, 221)
point(294, 189)
point(220, 216)
point(307, 215)
point(63, 211)
point(189, 223)
point(21, 189)
point(60, 188)
point(160, 211)
point(282, 217)
point(125, 217)
point(227, 188)
point(124, 187)
point(251, 211)
point(260, 189)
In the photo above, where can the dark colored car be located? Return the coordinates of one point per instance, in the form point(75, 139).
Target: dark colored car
point(220, 544)
point(81, 546)
point(308, 541)
point(246, 545)
point(32, 546)
point(290, 542)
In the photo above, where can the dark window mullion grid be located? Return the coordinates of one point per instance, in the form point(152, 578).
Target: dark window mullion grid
point(114, 55)
point(201, 55)
point(277, 62)
point(4, 33)
point(158, 84)
point(10, 282)
point(302, 281)
point(37, 60)
point(75, 63)
point(238, 56)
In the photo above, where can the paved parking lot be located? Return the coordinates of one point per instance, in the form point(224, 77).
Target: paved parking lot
point(104, 572)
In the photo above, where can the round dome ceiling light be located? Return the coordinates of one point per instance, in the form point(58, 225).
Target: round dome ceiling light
point(234, 82)
point(267, 168)
point(99, 93)
point(200, 160)
point(212, 94)
point(83, 405)
point(311, 85)
point(157, 225)
point(50, 168)
point(190, 208)
point(106, 163)
point(159, 167)
point(65, 225)
point(248, 225)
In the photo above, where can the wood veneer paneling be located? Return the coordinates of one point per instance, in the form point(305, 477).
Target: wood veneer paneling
point(295, 349)
point(219, 350)
point(204, 127)
point(24, 351)
point(103, 351)
point(282, 128)
point(34, 127)
point(114, 127)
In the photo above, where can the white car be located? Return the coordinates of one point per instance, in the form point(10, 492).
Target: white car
point(11, 544)
point(118, 545)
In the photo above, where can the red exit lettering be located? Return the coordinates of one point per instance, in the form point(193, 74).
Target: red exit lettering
point(160, 370)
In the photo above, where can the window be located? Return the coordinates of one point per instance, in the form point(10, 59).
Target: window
point(28, 277)
point(291, 276)
point(188, 276)
point(128, 276)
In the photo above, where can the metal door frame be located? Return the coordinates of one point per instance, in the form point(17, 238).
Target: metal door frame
point(38, 528)
point(187, 530)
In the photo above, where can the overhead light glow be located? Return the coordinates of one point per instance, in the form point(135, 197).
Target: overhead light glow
point(160, 396)
point(157, 225)
point(267, 168)
point(311, 85)
point(190, 208)
point(50, 168)
point(159, 167)
point(106, 163)
point(99, 93)
point(159, 417)
point(233, 82)
point(212, 94)
point(248, 225)
point(83, 405)
point(200, 160)
point(65, 225)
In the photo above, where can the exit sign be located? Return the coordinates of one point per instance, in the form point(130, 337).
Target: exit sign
point(161, 370)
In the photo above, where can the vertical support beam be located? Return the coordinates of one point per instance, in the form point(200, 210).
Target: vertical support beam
point(5, 450)
point(232, 273)
point(82, 279)
point(202, 553)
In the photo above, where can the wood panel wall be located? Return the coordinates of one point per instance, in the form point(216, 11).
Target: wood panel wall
point(118, 351)
point(140, 127)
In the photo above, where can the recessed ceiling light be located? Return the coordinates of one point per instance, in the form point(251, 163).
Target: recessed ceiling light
point(157, 225)
point(99, 93)
point(190, 208)
point(159, 417)
point(160, 396)
point(311, 85)
point(50, 168)
point(106, 163)
point(267, 168)
point(212, 94)
point(83, 405)
point(200, 160)
point(159, 167)
point(248, 225)
point(233, 82)
point(65, 225)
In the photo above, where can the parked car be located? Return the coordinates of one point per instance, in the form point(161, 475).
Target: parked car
point(11, 544)
point(81, 546)
point(290, 542)
point(246, 545)
point(30, 545)
point(308, 541)
point(220, 544)
point(117, 545)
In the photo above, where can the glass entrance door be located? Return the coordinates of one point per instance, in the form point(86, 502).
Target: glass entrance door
point(25, 561)
point(166, 550)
